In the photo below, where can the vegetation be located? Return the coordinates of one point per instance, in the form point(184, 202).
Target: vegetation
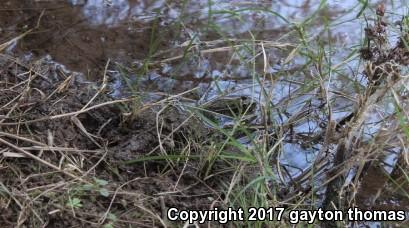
point(310, 123)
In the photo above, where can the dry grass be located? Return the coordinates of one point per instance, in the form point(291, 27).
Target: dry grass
point(71, 155)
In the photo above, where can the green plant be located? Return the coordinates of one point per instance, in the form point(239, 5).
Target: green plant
point(99, 186)
point(74, 203)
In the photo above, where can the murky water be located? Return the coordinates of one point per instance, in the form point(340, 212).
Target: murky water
point(172, 46)
point(83, 34)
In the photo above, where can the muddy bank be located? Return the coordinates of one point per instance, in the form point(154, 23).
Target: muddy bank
point(273, 103)
point(63, 158)
point(72, 155)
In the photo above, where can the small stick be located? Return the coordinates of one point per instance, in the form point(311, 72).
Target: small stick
point(28, 154)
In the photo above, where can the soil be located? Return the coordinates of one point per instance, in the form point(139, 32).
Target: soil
point(39, 72)
point(140, 190)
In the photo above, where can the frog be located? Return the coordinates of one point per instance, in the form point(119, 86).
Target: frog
point(231, 107)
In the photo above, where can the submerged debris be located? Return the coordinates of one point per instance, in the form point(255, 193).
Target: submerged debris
point(201, 114)
point(384, 70)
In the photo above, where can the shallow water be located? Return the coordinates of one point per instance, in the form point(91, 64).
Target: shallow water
point(146, 43)
point(83, 34)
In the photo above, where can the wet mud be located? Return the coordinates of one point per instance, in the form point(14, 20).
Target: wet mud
point(105, 132)
point(147, 41)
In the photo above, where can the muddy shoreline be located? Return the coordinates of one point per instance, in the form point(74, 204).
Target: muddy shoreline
point(98, 142)
point(111, 112)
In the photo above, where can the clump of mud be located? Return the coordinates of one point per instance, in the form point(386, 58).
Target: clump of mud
point(65, 145)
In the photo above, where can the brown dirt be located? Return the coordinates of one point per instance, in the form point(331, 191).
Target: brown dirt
point(37, 192)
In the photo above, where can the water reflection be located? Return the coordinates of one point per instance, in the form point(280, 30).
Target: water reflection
point(94, 30)
point(222, 47)
point(106, 12)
